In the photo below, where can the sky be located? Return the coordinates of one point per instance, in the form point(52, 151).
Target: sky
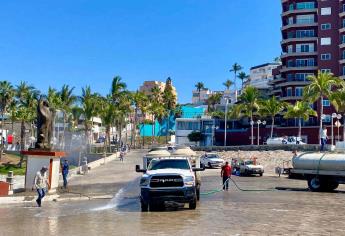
point(88, 42)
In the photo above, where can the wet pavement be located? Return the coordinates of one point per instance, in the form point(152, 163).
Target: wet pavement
point(292, 211)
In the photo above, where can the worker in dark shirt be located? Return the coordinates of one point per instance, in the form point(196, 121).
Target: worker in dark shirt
point(226, 174)
point(65, 170)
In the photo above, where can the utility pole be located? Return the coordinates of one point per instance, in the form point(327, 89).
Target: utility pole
point(226, 120)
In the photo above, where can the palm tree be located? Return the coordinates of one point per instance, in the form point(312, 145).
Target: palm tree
point(107, 116)
point(301, 110)
point(228, 83)
point(169, 103)
point(320, 87)
point(6, 97)
point(271, 108)
point(199, 86)
point(213, 100)
point(67, 100)
point(55, 104)
point(338, 101)
point(142, 103)
point(235, 68)
point(249, 103)
point(242, 76)
point(156, 97)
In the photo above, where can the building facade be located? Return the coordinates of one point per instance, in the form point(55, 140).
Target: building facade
point(147, 87)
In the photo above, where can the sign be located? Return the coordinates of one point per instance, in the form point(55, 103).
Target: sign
point(337, 123)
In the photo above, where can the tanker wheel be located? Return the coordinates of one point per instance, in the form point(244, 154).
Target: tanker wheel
point(331, 186)
point(315, 184)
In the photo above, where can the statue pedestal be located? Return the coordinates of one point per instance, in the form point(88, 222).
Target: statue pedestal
point(36, 159)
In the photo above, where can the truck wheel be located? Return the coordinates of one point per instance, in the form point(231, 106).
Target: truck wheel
point(192, 204)
point(315, 184)
point(209, 165)
point(144, 207)
point(198, 193)
point(261, 174)
point(331, 186)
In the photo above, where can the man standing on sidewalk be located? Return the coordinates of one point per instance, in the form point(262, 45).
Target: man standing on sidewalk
point(41, 184)
point(226, 174)
point(65, 169)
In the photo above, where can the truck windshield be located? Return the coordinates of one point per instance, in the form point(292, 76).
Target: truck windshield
point(169, 164)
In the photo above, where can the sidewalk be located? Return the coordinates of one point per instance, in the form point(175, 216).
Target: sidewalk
point(103, 180)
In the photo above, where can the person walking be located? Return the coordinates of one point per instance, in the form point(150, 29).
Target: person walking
point(122, 154)
point(226, 174)
point(41, 184)
point(65, 170)
point(323, 137)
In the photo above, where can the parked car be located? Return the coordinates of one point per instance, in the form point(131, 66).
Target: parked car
point(285, 140)
point(247, 167)
point(211, 160)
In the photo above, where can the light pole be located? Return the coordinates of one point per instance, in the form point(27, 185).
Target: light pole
point(226, 120)
point(252, 138)
point(260, 122)
point(338, 124)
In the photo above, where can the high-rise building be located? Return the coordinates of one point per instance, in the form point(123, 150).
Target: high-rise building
point(313, 33)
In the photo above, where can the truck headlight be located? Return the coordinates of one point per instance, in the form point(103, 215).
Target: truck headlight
point(144, 181)
point(189, 181)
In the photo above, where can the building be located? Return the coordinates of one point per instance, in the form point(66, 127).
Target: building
point(149, 85)
point(261, 76)
point(200, 97)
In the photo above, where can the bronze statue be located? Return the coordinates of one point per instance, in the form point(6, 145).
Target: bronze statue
point(44, 125)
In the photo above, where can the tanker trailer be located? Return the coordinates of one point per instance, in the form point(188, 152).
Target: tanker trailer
point(323, 171)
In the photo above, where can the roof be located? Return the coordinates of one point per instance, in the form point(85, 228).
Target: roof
point(266, 64)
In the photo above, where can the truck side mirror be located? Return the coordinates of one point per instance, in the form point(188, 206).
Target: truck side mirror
point(137, 169)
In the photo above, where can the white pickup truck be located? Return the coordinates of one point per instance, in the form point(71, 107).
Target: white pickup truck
point(284, 140)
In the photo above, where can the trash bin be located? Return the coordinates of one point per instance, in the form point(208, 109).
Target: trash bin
point(4, 187)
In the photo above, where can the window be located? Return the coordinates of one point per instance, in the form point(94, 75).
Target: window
point(326, 26)
point(305, 5)
point(302, 76)
point(325, 41)
point(326, 103)
point(343, 7)
point(288, 92)
point(305, 47)
point(343, 23)
point(343, 39)
point(290, 21)
point(290, 77)
point(343, 70)
point(326, 57)
point(188, 125)
point(290, 63)
point(305, 33)
point(290, 49)
point(305, 62)
point(326, 71)
point(327, 119)
point(299, 92)
point(326, 11)
point(305, 19)
point(343, 55)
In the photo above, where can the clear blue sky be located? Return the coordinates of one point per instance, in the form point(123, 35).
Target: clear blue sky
point(88, 42)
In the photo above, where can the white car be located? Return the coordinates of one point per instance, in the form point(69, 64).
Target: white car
point(287, 140)
point(211, 160)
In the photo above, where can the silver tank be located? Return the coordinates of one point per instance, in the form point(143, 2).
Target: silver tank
point(311, 161)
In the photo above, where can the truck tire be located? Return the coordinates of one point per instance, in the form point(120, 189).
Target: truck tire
point(315, 184)
point(331, 186)
point(198, 193)
point(144, 207)
point(261, 174)
point(209, 165)
point(192, 204)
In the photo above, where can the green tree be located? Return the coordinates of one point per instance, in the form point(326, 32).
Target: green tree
point(243, 76)
point(320, 87)
point(142, 104)
point(249, 103)
point(228, 83)
point(301, 110)
point(271, 108)
point(199, 86)
point(6, 97)
point(169, 101)
point(156, 98)
point(195, 136)
point(213, 100)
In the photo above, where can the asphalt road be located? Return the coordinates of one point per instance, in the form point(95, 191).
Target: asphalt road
point(291, 211)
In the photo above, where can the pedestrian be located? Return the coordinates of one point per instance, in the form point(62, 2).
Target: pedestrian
point(323, 138)
point(122, 154)
point(65, 169)
point(226, 174)
point(41, 184)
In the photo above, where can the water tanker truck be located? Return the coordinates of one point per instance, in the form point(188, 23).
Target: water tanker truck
point(323, 171)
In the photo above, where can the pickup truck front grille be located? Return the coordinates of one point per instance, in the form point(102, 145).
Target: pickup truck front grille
point(166, 181)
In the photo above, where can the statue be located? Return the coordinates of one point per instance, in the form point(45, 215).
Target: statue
point(44, 125)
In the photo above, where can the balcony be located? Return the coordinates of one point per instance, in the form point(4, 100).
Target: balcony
point(301, 68)
point(299, 25)
point(296, 54)
point(342, 45)
point(299, 11)
point(342, 30)
point(342, 61)
point(306, 39)
point(342, 14)
point(295, 82)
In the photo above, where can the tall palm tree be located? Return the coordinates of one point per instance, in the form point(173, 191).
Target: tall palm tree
point(301, 110)
point(235, 68)
point(157, 99)
point(242, 76)
point(228, 83)
point(199, 86)
point(142, 103)
point(249, 103)
point(107, 116)
point(55, 104)
point(6, 97)
point(271, 108)
point(67, 101)
point(320, 87)
point(169, 103)
point(338, 101)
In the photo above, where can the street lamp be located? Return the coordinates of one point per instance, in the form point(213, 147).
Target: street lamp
point(226, 120)
point(338, 124)
point(252, 138)
point(337, 116)
point(263, 123)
